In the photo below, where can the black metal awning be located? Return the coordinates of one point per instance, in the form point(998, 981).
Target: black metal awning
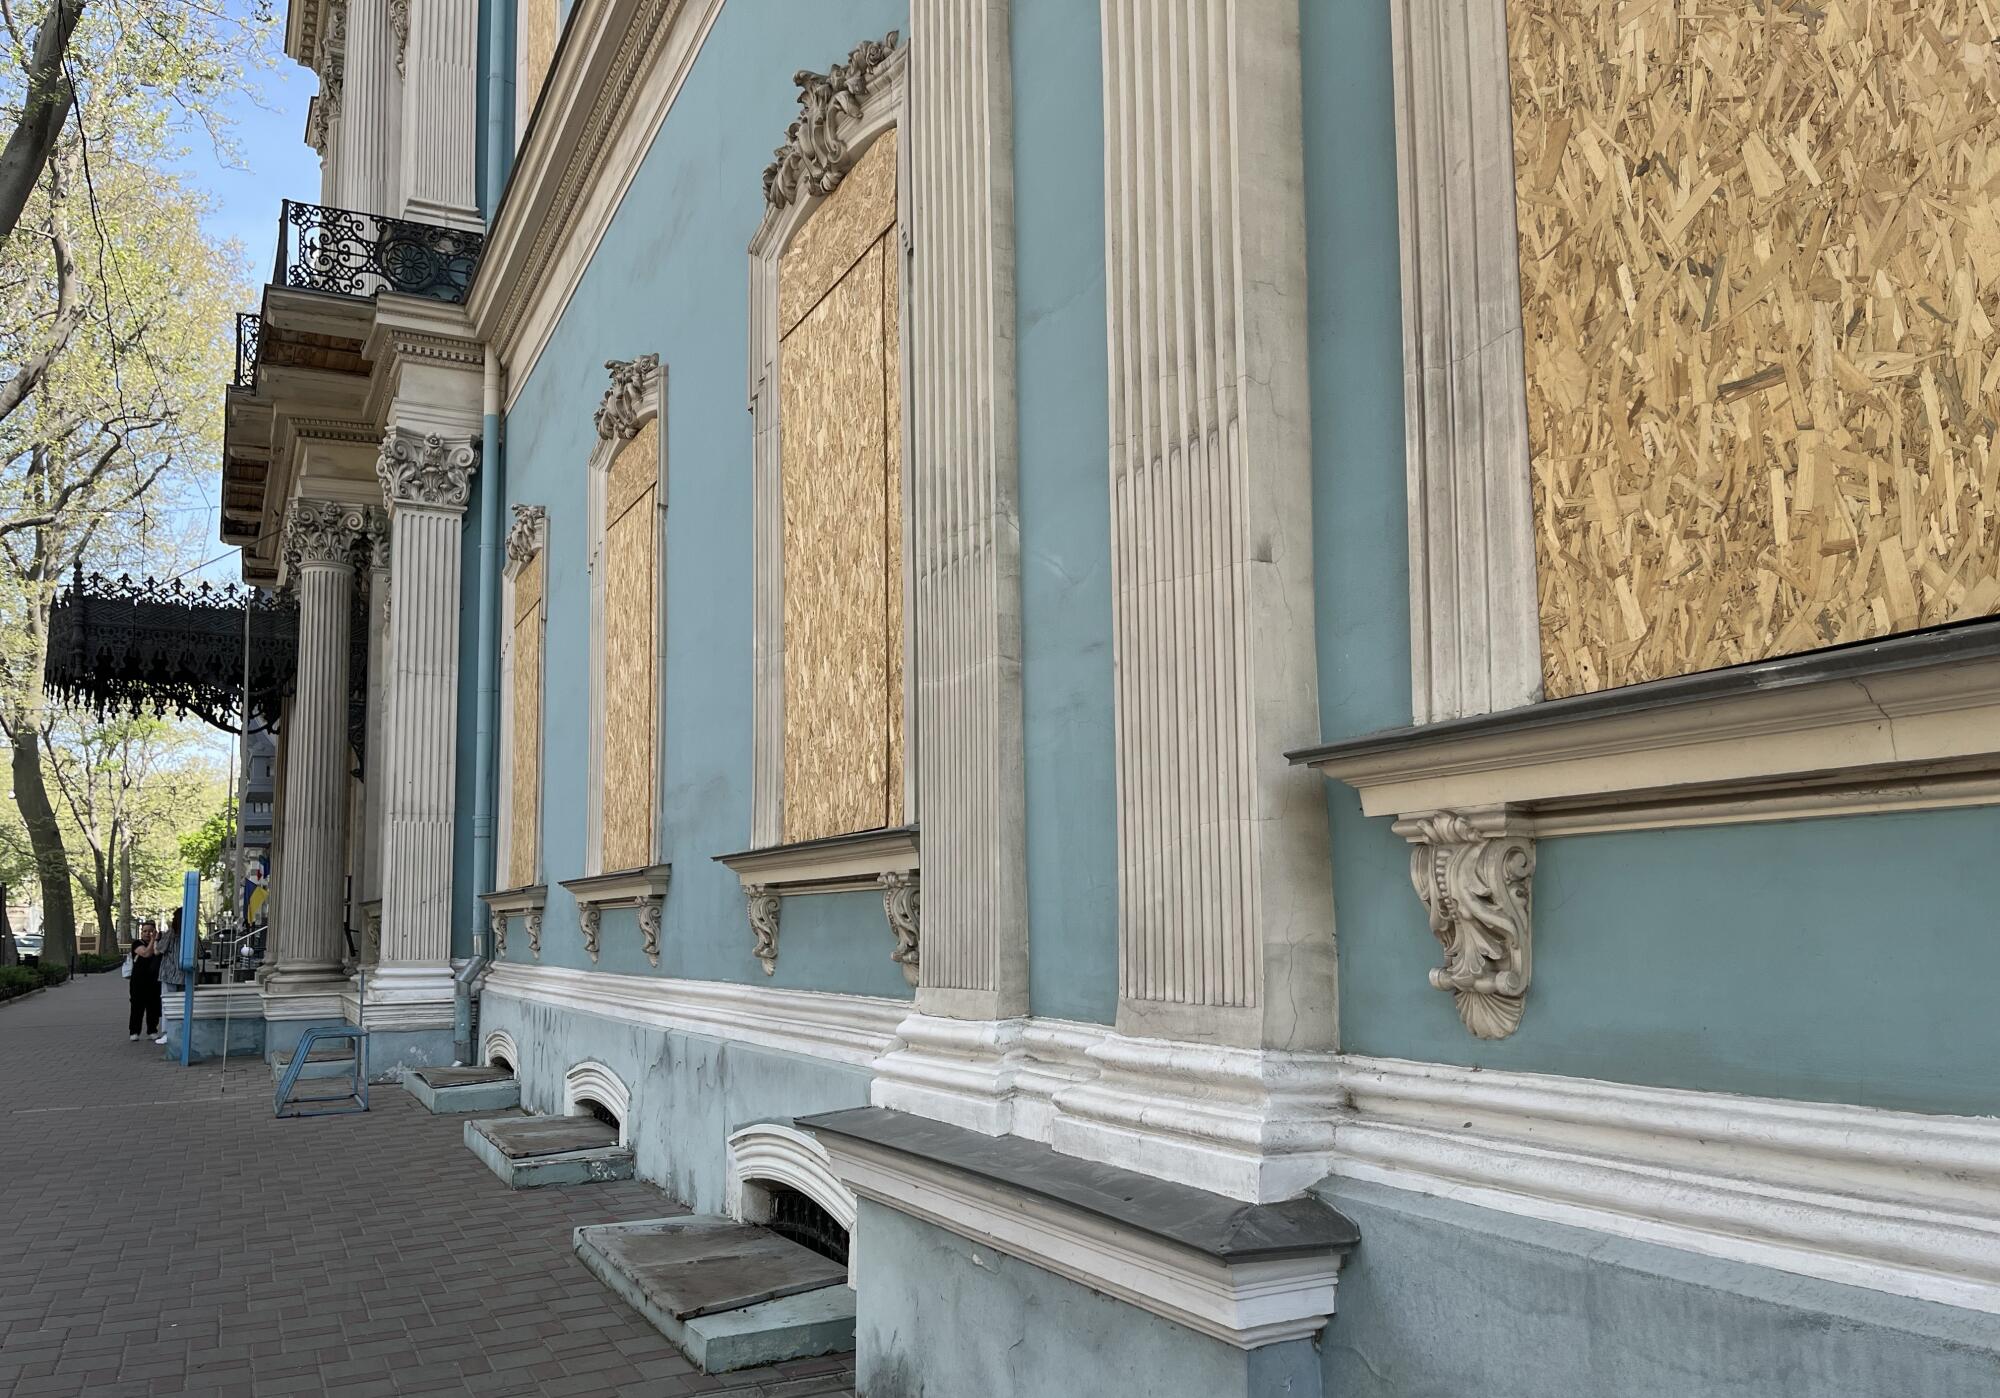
point(137, 645)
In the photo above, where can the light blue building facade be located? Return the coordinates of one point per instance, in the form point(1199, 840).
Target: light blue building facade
point(1058, 776)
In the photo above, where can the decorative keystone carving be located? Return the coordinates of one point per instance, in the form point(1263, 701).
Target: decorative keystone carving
point(588, 916)
point(617, 417)
point(649, 928)
point(534, 921)
point(813, 159)
point(323, 532)
point(496, 920)
point(528, 533)
point(901, 899)
point(1475, 873)
point(764, 906)
point(399, 26)
point(427, 469)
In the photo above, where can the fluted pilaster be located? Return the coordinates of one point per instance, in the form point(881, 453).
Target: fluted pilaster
point(370, 151)
point(439, 118)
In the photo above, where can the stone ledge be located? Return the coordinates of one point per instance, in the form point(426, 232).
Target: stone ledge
point(1251, 1274)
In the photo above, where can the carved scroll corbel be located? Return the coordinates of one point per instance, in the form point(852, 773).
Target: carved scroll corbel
point(649, 928)
point(901, 900)
point(764, 905)
point(497, 920)
point(1474, 871)
point(534, 920)
point(588, 916)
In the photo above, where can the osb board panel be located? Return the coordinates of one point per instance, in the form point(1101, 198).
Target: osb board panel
point(634, 470)
point(834, 458)
point(524, 806)
point(527, 589)
point(892, 524)
point(630, 685)
point(1760, 255)
point(841, 230)
point(540, 49)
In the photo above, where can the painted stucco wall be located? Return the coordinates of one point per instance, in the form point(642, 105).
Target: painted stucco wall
point(1037, 1333)
point(689, 1091)
point(671, 276)
point(1822, 959)
point(1063, 402)
point(1443, 1299)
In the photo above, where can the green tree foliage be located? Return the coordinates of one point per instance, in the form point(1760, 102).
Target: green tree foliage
point(115, 316)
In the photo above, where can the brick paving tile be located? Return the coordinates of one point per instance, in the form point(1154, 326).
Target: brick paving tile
point(173, 1238)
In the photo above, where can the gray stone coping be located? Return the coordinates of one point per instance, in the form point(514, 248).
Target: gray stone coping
point(1227, 1230)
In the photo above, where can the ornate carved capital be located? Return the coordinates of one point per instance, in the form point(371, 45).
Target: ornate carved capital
point(901, 900)
point(764, 906)
point(418, 468)
point(496, 921)
point(399, 26)
point(813, 159)
point(589, 916)
point(617, 417)
point(1475, 873)
point(534, 921)
point(376, 537)
point(649, 928)
point(527, 535)
point(323, 532)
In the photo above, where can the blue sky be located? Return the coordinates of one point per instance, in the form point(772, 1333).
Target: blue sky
point(271, 163)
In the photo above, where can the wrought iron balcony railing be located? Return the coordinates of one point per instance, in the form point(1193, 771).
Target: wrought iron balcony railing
point(356, 254)
point(248, 327)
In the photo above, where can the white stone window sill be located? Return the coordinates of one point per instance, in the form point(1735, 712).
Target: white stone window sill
point(532, 898)
point(882, 860)
point(643, 888)
point(1907, 723)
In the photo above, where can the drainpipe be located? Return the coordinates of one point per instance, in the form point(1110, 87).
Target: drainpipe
point(492, 488)
point(498, 155)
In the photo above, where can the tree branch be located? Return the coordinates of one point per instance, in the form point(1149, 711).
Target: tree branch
point(49, 97)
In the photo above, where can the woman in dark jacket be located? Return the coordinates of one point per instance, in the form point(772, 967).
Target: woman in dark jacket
point(145, 982)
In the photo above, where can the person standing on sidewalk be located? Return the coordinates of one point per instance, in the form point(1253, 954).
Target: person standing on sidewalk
point(172, 976)
point(145, 982)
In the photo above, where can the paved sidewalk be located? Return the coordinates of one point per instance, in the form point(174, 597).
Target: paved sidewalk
point(167, 1235)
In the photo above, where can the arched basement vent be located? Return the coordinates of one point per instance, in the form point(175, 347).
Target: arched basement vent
point(498, 1061)
point(591, 1106)
point(799, 1217)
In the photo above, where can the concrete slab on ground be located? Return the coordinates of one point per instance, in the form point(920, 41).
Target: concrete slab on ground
point(448, 1090)
point(729, 1295)
point(536, 1152)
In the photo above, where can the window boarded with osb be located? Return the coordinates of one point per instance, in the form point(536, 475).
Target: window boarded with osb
point(1760, 265)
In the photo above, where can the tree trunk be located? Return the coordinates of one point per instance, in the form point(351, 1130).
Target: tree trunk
point(123, 938)
point(103, 894)
point(10, 954)
point(31, 796)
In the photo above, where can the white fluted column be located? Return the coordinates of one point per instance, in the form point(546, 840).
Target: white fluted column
point(320, 537)
point(426, 479)
point(440, 113)
point(369, 148)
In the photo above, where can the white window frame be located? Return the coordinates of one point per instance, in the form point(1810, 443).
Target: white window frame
point(1475, 625)
point(510, 570)
point(883, 108)
point(652, 408)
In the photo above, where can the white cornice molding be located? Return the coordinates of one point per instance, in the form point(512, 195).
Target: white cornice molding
point(850, 1029)
point(1247, 1304)
point(616, 74)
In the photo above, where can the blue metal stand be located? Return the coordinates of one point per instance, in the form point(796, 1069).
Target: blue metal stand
point(355, 1099)
point(190, 937)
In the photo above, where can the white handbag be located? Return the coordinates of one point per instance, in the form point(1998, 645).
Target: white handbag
point(126, 969)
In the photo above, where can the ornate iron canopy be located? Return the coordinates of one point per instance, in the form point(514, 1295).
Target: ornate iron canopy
point(136, 645)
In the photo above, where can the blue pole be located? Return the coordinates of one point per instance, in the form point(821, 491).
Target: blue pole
point(190, 934)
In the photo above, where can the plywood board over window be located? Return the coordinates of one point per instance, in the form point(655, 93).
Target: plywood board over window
point(539, 26)
point(525, 739)
point(840, 416)
point(1760, 268)
point(630, 650)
